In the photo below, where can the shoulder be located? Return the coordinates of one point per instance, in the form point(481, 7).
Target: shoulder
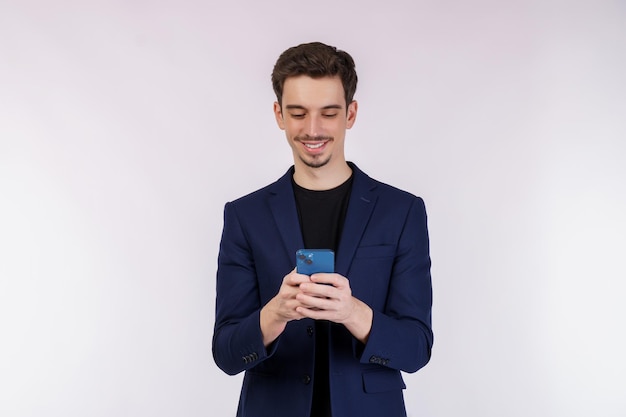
point(383, 191)
point(255, 197)
point(252, 197)
point(394, 192)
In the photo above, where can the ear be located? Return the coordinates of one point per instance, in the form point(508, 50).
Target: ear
point(278, 114)
point(351, 114)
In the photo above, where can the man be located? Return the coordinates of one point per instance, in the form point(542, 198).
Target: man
point(329, 343)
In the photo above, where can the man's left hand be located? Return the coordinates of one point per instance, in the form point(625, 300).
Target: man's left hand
point(329, 297)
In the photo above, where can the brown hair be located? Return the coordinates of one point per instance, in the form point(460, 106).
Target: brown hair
point(316, 60)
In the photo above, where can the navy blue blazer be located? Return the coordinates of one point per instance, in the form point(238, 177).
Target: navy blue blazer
point(383, 251)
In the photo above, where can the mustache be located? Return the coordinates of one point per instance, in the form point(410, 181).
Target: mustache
point(309, 138)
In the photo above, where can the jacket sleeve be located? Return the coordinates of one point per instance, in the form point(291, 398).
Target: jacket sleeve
point(401, 336)
point(237, 339)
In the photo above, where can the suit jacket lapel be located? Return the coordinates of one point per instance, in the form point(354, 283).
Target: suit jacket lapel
point(362, 203)
point(283, 205)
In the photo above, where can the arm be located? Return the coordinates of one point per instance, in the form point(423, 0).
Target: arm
point(401, 336)
point(237, 338)
point(246, 332)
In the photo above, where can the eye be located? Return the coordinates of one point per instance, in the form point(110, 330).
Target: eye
point(297, 115)
point(330, 115)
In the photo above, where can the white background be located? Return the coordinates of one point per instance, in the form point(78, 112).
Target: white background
point(126, 125)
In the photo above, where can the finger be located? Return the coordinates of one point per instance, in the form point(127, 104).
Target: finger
point(312, 302)
point(294, 279)
point(335, 280)
point(315, 313)
point(291, 310)
point(318, 290)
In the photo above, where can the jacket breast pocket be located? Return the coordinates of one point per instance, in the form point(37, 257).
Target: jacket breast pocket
point(382, 380)
point(376, 251)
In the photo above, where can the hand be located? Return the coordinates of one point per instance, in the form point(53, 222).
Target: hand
point(282, 308)
point(329, 297)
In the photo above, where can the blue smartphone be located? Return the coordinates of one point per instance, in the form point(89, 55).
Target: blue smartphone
point(312, 261)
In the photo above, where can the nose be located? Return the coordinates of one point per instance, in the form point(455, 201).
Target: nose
point(313, 126)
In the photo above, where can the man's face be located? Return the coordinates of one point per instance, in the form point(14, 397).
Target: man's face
point(315, 118)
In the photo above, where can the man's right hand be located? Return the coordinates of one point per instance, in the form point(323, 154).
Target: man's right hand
point(282, 308)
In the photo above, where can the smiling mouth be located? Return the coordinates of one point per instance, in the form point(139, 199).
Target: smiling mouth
point(314, 145)
point(314, 142)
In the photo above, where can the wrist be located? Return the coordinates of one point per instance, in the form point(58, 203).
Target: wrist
point(360, 322)
point(271, 325)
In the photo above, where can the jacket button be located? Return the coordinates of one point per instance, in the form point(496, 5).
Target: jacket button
point(306, 379)
point(309, 331)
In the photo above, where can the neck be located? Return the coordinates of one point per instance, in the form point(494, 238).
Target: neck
point(323, 178)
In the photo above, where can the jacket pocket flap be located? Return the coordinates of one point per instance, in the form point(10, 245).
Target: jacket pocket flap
point(382, 380)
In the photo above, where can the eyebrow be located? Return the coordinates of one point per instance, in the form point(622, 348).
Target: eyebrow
point(299, 107)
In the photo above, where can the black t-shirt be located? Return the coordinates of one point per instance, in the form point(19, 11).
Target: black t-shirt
point(321, 215)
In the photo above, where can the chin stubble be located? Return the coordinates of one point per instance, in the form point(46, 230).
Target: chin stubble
point(315, 162)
